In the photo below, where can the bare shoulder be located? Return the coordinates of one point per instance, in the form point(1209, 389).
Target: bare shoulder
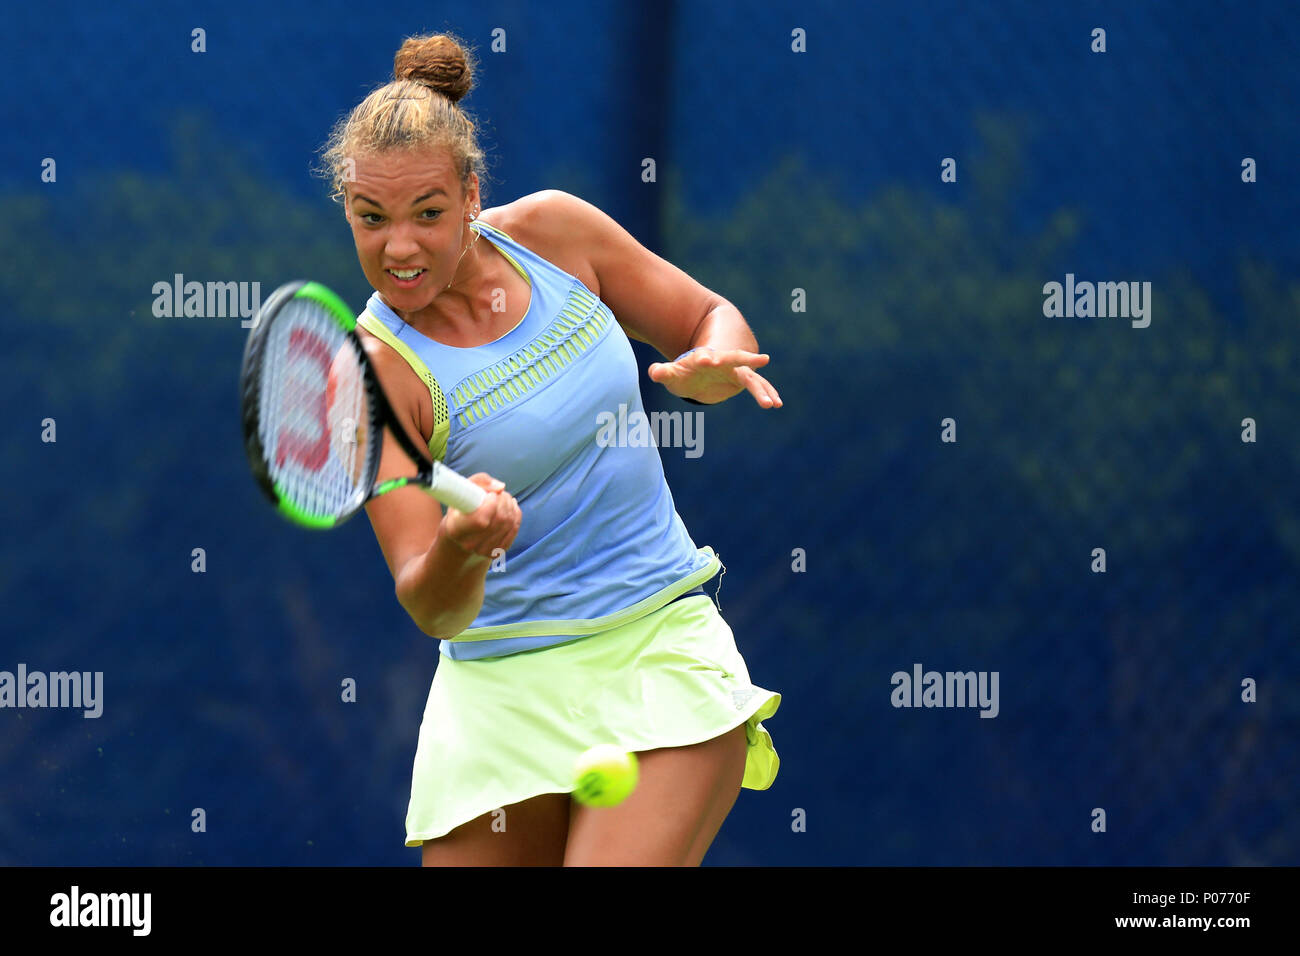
point(405, 391)
point(554, 224)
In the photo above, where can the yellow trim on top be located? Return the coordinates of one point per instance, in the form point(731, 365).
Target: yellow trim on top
point(581, 627)
point(513, 262)
point(441, 423)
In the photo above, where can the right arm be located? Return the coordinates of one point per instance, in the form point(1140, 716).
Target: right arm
point(439, 562)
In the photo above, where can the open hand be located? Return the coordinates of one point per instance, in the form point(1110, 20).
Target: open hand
point(713, 375)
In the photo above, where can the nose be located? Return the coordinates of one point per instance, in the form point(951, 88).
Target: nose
point(401, 242)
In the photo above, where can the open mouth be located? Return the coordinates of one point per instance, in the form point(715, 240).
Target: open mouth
point(406, 277)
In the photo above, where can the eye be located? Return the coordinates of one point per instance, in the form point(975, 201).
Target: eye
point(365, 218)
point(436, 214)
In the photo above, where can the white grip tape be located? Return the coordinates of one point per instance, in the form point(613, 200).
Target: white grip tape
point(453, 490)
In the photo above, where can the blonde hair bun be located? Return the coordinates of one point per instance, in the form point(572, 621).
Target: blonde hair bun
point(437, 61)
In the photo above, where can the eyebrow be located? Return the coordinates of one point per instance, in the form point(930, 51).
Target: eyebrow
point(415, 202)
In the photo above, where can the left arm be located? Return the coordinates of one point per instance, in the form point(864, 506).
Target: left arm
point(657, 303)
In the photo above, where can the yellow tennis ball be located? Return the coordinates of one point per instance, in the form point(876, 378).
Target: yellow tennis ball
point(604, 776)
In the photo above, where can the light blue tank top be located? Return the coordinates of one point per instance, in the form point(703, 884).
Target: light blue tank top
point(600, 543)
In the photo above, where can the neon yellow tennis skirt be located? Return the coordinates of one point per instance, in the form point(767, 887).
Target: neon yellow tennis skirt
point(500, 730)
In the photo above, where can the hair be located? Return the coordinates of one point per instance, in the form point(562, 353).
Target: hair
point(431, 74)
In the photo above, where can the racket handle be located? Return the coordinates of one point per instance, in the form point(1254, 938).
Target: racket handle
point(453, 490)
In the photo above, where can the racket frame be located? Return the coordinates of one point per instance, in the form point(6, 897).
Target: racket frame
point(431, 476)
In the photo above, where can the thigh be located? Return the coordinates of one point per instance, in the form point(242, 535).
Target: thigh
point(532, 832)
point(682, 796)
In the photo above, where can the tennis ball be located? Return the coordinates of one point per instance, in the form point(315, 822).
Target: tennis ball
point(604, 776)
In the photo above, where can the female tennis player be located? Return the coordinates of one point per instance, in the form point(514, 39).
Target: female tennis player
point(569, 605)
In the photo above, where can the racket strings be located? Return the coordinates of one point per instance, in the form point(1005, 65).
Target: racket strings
point(314, 412)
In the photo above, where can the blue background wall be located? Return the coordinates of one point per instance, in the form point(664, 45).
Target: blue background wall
point(777, 170)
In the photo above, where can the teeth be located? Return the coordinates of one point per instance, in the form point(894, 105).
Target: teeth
point(406, 273)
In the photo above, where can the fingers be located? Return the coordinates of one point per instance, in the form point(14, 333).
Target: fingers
point(736, 367)
point(706, 357)
point(505, 523)
point(486, 481)
point(737, 357)
point(492, 526)
point(761, 389)
point(664, 373)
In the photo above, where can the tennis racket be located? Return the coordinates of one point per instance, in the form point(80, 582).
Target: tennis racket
point(314, 415)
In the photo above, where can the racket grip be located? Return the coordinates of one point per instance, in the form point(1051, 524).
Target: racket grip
point(453, 490)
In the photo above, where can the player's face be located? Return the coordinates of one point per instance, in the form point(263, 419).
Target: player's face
point(407, 213)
